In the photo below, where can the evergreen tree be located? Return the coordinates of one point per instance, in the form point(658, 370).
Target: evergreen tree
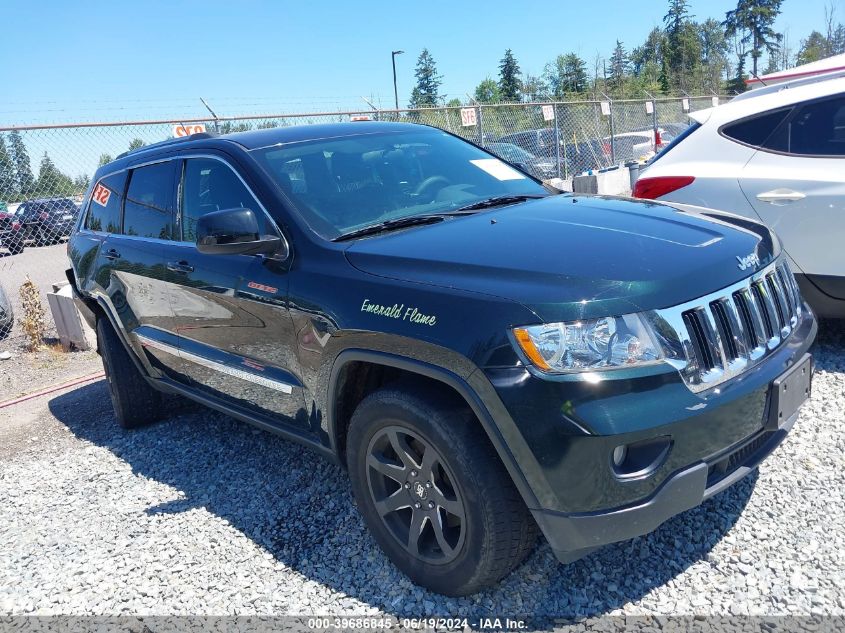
point(534, 88)
point(714, 53)
point(136, 143)
point(23, 169)
point(567, 74)
point(8, 182)
point(753, 20)
point(509, 85)
point(426, 93)
point(737, 84)
point(813, 48)
point(52, 182)
point(619, 64)
point(104, 159)
point(487, 92)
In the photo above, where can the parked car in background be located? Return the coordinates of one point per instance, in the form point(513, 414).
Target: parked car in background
point(541, 168)
point(7, 316)
point(638, 145)
point(777, 156)
point(47, 220)
point(12, 235)
point(575, 156)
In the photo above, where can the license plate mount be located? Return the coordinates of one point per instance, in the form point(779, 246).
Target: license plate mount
point(789, 391)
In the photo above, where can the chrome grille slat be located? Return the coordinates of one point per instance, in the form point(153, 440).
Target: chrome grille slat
point(721, 335)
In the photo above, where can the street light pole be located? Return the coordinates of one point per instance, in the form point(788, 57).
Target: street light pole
point(393, 55)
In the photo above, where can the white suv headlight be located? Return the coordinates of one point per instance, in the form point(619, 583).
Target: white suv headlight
point(589, 345)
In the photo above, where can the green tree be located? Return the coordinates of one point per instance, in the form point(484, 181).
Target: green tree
point(567, 74)
point(814, 48)
point(487, 91)
point(534, 88)
point(426, 93)
point(753, 20)
point(136, 143)
point(52, 182)
point(8, 181)
point(104, 159)
point(509, 84)
point(714, 52)
point(682, 51)
point(619, 65)
point(23, 170)
point(81, 182)
point(737, 84)
point(454, 102)
point(648, 63)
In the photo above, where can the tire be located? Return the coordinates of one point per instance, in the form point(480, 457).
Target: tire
point(488, 530)
point(135, 402)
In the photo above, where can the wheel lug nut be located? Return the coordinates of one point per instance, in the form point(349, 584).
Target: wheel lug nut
point(414, 473)
point(428, 484)
point(417, 505)
point(407, 485)
point(431, 505)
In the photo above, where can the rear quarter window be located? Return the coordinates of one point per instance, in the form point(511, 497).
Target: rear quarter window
point(756, 130)
point(104, 209)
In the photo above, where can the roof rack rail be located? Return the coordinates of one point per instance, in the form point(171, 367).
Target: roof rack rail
point(170, 141)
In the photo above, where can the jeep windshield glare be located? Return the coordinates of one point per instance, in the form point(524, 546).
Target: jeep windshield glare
point(343, 185)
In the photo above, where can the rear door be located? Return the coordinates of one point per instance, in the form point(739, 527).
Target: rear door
point(796, 184)
point(131, 265)
point(235, 332)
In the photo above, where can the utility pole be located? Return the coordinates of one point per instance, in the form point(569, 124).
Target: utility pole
point(393, 55)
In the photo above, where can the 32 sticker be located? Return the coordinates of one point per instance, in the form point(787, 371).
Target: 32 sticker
point(101, 195)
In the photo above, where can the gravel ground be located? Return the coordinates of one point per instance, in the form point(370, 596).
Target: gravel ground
point(204, 515)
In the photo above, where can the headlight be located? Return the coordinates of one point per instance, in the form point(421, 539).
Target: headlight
point(590, 345)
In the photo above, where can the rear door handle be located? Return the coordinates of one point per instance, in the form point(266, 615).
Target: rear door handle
point(180, 267)
point(780, 196)
point(112, 254)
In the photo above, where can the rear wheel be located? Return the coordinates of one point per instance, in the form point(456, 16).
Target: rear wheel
point(434, 493)
point(135, 402)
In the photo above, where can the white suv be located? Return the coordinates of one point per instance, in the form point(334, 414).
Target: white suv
point(776, 154)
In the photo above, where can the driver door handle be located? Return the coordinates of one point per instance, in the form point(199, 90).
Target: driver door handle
point(780, 196)
point(112, 254)
point(180, 267)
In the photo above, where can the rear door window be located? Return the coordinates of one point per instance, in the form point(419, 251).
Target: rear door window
point(148, 210)
point(816, 129)
point(104, 206)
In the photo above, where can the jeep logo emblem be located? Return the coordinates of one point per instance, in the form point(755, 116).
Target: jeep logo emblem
point(420, 490)
point(749, 261)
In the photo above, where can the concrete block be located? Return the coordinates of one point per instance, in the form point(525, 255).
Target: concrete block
point(71, 327)
point(614, 182)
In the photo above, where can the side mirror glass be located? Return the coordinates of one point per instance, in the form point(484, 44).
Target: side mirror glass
point(235, 232)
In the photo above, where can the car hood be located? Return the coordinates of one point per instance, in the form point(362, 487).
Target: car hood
point(568, 257)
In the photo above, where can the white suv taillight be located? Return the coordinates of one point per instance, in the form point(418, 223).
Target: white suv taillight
point(653, 188)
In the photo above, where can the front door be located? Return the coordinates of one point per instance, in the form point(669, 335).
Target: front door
point(235, 332)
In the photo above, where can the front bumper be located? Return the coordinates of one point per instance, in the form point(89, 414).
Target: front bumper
point(572, 536)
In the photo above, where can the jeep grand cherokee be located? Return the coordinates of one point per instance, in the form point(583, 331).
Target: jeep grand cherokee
point(485, 357)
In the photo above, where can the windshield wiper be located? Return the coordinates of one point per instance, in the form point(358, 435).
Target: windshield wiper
point(390, 225)
point(498, 201)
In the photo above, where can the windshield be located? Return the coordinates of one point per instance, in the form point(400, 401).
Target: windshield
point(346, 183)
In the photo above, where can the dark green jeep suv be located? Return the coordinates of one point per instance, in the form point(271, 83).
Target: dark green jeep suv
point(486, 358)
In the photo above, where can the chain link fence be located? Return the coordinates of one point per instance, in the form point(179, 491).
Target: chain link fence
point(45, 170)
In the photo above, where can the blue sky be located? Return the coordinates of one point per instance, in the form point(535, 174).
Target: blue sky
point(121, 60)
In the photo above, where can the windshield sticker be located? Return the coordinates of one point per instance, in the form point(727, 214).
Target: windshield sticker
point(101, 195)
point(400, 312)
point(497, 169)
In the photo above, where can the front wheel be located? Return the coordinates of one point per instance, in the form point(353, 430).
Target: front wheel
point(433, 491)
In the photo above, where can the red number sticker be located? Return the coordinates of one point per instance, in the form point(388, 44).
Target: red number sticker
point(101, 195)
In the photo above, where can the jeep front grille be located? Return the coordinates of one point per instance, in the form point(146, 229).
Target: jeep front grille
point(719, 336)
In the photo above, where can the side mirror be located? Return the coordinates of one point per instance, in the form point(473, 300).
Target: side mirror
point(234, 232)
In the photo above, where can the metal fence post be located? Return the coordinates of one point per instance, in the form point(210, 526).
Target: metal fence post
point(612, 132)
point(557, 139)
point(480, 124)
